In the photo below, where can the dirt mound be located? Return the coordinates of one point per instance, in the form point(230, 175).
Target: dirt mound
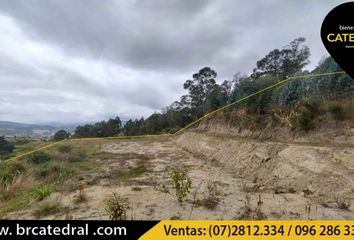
point(323, 174)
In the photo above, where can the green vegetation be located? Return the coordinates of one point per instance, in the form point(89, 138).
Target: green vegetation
point(133, 172)
point(33, 178)
point(112, 127)
point(205, 94)
point(182, 183)
point(41, 192)
point(61, 135)
point(65, 148)
point(48, 209)
point(6, 147)
point(8, 170)
point(116, 207)
point(336, 110)
point(39, 157)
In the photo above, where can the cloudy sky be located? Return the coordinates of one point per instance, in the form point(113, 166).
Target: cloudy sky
point(73, 61)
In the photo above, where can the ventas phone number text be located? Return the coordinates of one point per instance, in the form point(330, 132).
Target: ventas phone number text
point(280, 230)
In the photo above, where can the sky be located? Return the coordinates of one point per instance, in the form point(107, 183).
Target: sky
point(76, 61)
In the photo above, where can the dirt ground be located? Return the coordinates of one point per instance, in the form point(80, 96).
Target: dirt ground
point(253, 179)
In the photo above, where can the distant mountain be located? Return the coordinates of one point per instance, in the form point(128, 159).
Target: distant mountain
point(32, 130)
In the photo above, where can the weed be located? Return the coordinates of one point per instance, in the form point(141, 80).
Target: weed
point(53, 171)
point(9, 188)
point(303, 120)
point(39, 158)
point(130, 173)
point(211, 196)
point(336, 110)
point(342, 204)
point(48, 209)
point(116, 207)
point(249, 213)
point(41, 192)
point(65, 148)
point(10, 169)
point(81, 197)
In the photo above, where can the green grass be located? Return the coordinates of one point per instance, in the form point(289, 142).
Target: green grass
point(48, 209)
point(20, 201)
point(86, 166)
point(130, 173)
point(41, 192)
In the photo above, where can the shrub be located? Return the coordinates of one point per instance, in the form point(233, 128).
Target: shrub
point(305, 114)
point(41, 192)
point(9, 188)
point(211, 196)
point(65, 148)
point(182, 183)
point(53, 171)
point(48, 208)
point(77, 155)
point(16, 168)
point(6, 147)
point(61, 135)
point(10, 169)
point(81, 197)
point(39, 158)
point(304, 120)
point(336, 110)
point(116, 207)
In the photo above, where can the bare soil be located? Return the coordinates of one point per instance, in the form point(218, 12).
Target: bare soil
point(254, 180)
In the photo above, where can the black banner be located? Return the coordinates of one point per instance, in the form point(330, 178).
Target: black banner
point(74, 229)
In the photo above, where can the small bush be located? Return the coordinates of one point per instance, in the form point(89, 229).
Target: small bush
point(336, 110)
point(39, 158)
point(116, 207)
point(10, 188)
point(81, 197)
point(342, 203)
point(6, 147)
point(41, 192)
point(304, 121)
point(65, 148)
point(53, 171)
point(305, 114)
point(10, 169)
point(16, 168)
point(312, 105)
point(211, 196)
point(182, 183)
point(77, 155)
point(48, 209)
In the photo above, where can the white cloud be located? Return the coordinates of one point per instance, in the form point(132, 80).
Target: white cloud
point(76, 61)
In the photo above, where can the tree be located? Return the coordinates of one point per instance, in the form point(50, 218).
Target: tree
point(112, 127)
point(61, 135)
point(203, 82)
point(283, 63)
point(6, 147)
point(260, 102)
point(216, 98)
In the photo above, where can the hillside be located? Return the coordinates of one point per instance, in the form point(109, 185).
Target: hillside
point(234, 176)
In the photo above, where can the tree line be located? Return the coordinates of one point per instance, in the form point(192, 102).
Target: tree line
point(204, 94)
